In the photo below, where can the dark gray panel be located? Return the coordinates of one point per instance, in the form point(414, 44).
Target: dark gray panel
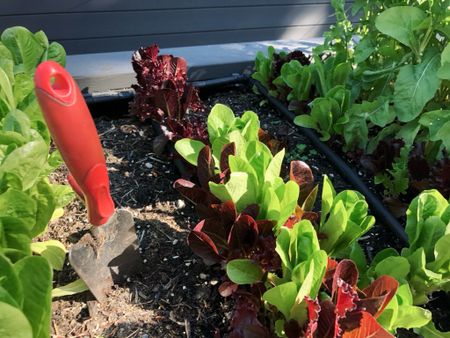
point(189, 39)
point(9, 7)
point(121, 24)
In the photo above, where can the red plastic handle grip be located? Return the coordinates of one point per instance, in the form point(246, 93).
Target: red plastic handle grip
point(76, 187)
point(74, 133)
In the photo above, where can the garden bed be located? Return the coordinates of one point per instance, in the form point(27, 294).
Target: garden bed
point(175, 294)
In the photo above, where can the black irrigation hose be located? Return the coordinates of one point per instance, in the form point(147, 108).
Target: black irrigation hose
point(128, 93)
point(236, 78)
point(377, 207)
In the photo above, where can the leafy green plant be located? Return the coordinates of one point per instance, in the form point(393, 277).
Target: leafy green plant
point(422, 268)
point(269, 70)
point(344, 218)
point(254, 176)
point(386, 77)
point(27, 200)
point(307, 270)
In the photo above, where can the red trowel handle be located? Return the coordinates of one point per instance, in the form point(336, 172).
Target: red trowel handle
point(75, 135)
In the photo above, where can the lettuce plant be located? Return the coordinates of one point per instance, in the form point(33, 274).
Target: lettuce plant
point(425, 263)
point(254, 173)
point(269, 70)
point(344, 218)
point(164, 96)
point(27, 200)
point(341, 309)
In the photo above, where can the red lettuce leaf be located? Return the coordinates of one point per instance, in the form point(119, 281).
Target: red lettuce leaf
point(163, 95)
point(227, 150)
point(378, 295)
point(203, 246)
point(205, 167)
point(365, 326)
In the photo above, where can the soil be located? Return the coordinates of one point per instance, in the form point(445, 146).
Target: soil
point(175, 295)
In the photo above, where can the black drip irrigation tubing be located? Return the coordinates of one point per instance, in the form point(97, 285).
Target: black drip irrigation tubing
point(127, 94)
point(377, 207)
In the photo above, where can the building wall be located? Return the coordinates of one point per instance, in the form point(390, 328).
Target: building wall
point(89, 26)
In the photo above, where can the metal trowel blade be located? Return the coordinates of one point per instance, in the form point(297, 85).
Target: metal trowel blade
point(107, 254)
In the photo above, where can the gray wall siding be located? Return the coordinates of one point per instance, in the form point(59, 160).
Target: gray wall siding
point(84, 26)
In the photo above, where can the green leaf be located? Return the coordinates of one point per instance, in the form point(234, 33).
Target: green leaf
point(251, 125)
point(244, 271)
point(334, 227)
point(341, 73)
point(323, 111)
point(305, 288)
point(13, 323)
point(26, 163)
point(442, 254)
point(435, 121)
point(42, 194)
point(242, 189)
point(54, 251)
point(18, 204)
point(379, 112)
point(282, 246)
point(444, 71)
point(430, 331)
point(35, 274)
point(412, 317)
point(70, 289)
point(16, 237)
point(363, 49)
point(394, 266)
point(6, 62)
point(270, 204)
point(25, 48)
point(328, 194)
point(57, 53)
point(259, 157)
point(9, 280)
point(24, 87)
point(400, 22)
point(428, 204)
point(310, 274)
point(288, 201)
point(274, 168)
point(17, 121)
point(282, 297)
point(305, 121)
point(220, 119)
point(220, 191)
point(6, 93)
point(415, 86)
point(189, 149)
point(358, 256)
point(443, 134)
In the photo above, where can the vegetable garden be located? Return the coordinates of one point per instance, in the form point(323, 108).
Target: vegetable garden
point(310, 199)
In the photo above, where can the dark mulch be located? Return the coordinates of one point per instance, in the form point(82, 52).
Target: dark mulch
point(175, 295)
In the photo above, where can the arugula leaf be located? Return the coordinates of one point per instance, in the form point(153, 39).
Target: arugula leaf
point(415, 86)
point(400, 22)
